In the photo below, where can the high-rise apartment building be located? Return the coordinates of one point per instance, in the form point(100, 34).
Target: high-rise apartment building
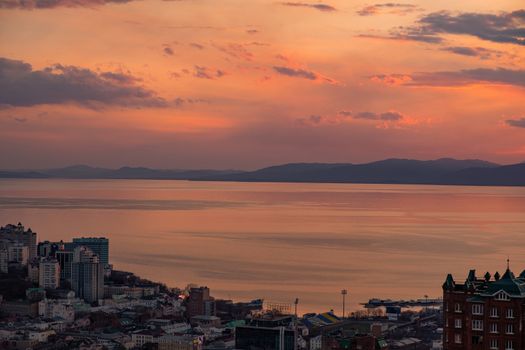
point(98, 245)
point(65, 260)
point(4, 259)
point(49, 273)
point(18, 252)
point(87, 275)
point(17, 233)
point(484, 313)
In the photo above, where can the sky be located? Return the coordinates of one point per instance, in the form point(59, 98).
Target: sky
point(245, 84)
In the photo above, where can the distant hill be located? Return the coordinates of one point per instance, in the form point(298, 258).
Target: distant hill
point(507, 175)
point(444, 171)
point(22, 174)
point(87, 172)
point(396, 171)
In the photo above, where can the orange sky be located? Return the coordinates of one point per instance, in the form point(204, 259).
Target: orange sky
point(245, 84)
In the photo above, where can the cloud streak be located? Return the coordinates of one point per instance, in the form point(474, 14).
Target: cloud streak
point(303, 74)
point(345, 116)
point(389, 7)
point(479, 52)
point(203, 72)
point(317, 6)
point(50, 4)
point(457, 78)
point(21, 85)
point(517, 123)
point(390, 116)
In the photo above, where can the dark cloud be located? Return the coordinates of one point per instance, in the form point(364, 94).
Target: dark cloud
point(344, 116)
point(506, 27)
point(23, 86)
point(405, 36)
point(168, 51)
point(317, 6)
point(457, 78)
point(207, 72)
point(518, 123)
point(385, 116)
point(252, 31)
point(311, 120)
point(389, 7)
point(304, 74)
point(49, 4)
point(479, 52)
point(471, 76)
point(182, 102)
point(292, 72)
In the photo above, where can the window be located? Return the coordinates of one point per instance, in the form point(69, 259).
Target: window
point(493, 328)
point(494, 312)
point(509, 329)
point(509, 345)
point(457, 307)
point(477, 309)
point(457, 323)
point(510, 313)
point(477, 325)
point(457, 338)
point(502, 296)
point(494, 344)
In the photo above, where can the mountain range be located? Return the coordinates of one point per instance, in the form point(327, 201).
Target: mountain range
point(444, 171)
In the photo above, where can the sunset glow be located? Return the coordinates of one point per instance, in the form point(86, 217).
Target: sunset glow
point(246, 84)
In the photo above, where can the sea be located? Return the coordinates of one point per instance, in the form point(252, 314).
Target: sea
point(282, 241)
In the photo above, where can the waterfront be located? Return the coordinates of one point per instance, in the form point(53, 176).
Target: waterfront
point(281, 241)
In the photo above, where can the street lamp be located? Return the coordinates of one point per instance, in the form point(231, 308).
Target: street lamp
point(296, 335)
point(344, 292)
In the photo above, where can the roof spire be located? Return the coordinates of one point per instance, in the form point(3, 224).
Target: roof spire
point(508, 263)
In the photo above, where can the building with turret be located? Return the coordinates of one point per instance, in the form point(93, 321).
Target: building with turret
point(484, 313)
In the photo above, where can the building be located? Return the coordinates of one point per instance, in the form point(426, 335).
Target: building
point(4, 260)
point(33, 270)
point(98, 245)
point(65, 260)
point(180, 342)
point(46, 249)
point(200, 302)
point(17, 233)
point(278, 338)
point(57, 308)
point(205, 321)
point(146, 336)
point(19, 308)
point(49, 273)
point(87, 275)
point(18, 253)
point(484, 313)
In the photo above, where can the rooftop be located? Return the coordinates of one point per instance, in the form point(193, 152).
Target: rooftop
point(489, 286)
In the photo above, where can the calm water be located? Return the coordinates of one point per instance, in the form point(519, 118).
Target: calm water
point(281, 241)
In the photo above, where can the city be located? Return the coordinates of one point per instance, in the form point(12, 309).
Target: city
point(66, 295)
point(262, 175)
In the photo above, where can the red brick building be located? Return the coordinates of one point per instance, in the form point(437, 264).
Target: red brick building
point(484, 313)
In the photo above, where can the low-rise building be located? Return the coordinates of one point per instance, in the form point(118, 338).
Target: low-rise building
point(53, 308)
